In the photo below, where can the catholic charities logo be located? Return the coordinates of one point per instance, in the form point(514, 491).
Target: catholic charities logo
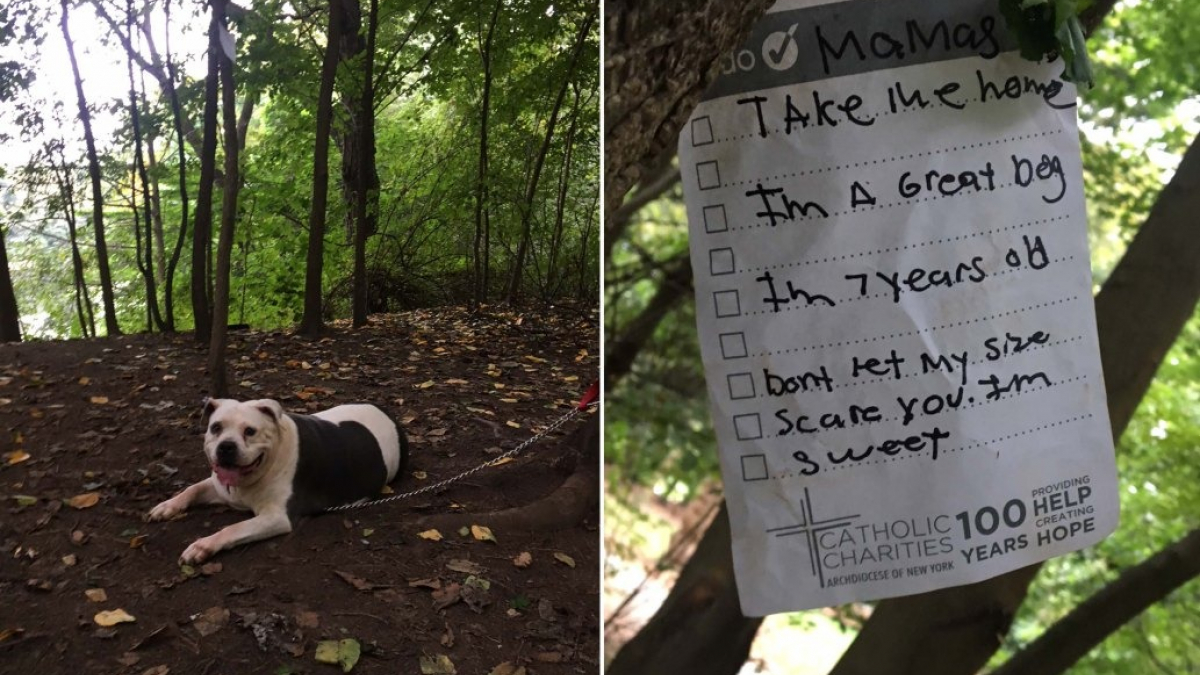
point(839, 547)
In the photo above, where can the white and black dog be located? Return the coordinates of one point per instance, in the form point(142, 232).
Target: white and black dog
point(281, 466)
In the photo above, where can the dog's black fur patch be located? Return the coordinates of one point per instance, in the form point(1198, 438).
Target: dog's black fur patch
point(337, 464)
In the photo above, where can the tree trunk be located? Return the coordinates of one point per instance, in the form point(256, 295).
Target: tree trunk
point(85, 117)
point(10, 324)
point(367, 189)
point(202, 227)
point(177, 122)
point(481, 187)
point(564, 184)
point(216, 349)
point(1093, 620)
point(518, 270)
point(66, 190)
point(146, 266)
point(312, 323)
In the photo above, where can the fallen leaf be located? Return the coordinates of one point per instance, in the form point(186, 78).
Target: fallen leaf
point(444, 597)
point(456, 381)
point(69, 560)
point(513, 424)
point(16, 457)
point(535, 359)
point(84, 501)
point(77, 536)
point(464, 531)
point(425, 385)
point(437, 432)
point(564, 559)
point(509, 400)
point(431, 535)
point(99, 400)
point(211, 620)
point(483, 533)
point(502, 461)
point(113, 617)
point(357, 582)
point(368, 532)
point(420, 475)
point(507, 668)
point(83, 381)
point(570, 378)
point(437, 665)
point(96, 595)
point(432, 582)
point(548, 657)
point(465, 566)
point(9, 632)
point(524, 560)
point(136, 542)
point(25, 500)
point(129, 659)
point(157, 670)
point(387, 490)
point(308, 620)
point(447, 638)
point(209, 569)
point(339, 652)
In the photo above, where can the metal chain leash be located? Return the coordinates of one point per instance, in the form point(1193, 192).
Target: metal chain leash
point(574, 412)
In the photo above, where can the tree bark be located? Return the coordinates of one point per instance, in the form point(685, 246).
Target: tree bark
point(220, 327)
point(66, 190)
point(564, 184)
point(85, 117)
point(1132, 593)
point(312, 323)
point(202, 227)
point(660, 57)
point(481, 188)
point(518, 271)
point(10, 324)
point(367, 188)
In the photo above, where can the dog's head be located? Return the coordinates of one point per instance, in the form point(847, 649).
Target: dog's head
point(239, 438)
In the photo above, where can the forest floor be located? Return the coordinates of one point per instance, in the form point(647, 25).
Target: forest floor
point(93, 433)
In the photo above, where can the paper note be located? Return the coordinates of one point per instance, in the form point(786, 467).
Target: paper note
point(894, 299)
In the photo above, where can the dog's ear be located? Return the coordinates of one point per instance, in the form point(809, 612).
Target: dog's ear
point(210, 406)
point(270, 408)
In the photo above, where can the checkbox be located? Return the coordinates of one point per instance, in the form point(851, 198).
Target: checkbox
point(733, 346)
point(701, 131)
point(748, 427)
point(727, 303)
point(714, 219)
point(741, 386)
point(720, 261)
point(708, 175)
point(754, 467)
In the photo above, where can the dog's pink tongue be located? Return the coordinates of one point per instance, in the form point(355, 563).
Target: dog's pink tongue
point(227, 476)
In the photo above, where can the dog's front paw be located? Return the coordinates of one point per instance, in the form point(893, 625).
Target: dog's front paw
point(199, 551)
point(165, 510)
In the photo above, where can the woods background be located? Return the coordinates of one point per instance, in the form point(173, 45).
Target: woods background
point(275, 162)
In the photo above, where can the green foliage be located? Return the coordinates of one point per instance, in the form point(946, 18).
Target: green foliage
point(1051, 28)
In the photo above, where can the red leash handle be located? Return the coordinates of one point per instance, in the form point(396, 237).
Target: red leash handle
point(590, 396)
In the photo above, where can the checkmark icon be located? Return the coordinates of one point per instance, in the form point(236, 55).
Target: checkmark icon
point(779, 49)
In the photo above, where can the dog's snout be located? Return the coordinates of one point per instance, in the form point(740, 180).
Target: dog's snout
point(227, 453)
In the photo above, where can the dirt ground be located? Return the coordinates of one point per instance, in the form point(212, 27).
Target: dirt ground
point(94, 433)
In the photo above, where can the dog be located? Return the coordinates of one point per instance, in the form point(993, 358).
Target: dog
point(282, 466)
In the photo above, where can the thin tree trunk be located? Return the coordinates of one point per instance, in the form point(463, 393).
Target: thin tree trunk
point(368, 188)
point(312, 323)
point(518, 271)
point(1093, 620)
point(177, 121)
point(216, 349)
point(481, 187)
point(146, 266)
point(564, 184)
point(202, 227)
point(10, 324)
point(66, 190)
point(85, 117)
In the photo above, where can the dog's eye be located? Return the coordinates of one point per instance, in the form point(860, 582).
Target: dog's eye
point(250, 431)
point(215, 428)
